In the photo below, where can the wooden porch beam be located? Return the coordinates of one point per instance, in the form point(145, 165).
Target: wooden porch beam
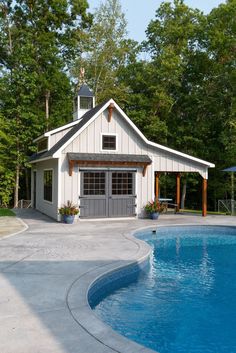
point(72, 163)
point(157, 176)
point(204, 197)
point(178, 176)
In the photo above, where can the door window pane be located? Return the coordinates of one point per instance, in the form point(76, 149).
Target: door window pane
point(94, 183)
point(122, 183)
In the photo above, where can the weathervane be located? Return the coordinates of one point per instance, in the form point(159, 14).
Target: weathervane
point(82, 74)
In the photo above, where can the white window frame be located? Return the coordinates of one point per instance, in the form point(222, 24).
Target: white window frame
point(109, 134)
point(47, 170)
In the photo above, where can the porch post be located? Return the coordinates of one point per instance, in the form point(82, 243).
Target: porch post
point(178, 192)
point(204, 197)
point(157, 185)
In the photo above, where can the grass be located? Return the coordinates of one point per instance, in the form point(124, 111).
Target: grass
point(6, 212)
point(200, 212)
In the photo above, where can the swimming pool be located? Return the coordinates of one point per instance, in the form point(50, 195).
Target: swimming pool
point(185, 301)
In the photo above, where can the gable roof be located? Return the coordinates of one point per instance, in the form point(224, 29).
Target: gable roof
point(89, 117)
point(80, 123)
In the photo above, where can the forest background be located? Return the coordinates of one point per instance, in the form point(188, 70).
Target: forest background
point(182, 95)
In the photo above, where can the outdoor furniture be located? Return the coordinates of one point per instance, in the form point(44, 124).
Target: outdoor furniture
point(167, 203)
point(173, 205)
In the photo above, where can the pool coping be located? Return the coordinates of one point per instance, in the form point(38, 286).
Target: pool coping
point(84, 315)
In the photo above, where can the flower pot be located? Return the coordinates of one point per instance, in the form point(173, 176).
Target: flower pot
point(154, 215)
point(68, 219)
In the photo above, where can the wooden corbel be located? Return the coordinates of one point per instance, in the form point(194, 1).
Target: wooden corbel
point(71, 167)
point(110, 110)
point(144, 170)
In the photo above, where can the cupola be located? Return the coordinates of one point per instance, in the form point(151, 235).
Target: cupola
point(84, 99)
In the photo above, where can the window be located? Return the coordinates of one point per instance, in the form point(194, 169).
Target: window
point(43, 145)
point(47, 180)
point(122, 183)
point(108, 142)
point(86, 102)
point(75, 104)
point(94, 183)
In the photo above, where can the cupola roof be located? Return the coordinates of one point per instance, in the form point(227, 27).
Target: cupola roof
point(84, 91)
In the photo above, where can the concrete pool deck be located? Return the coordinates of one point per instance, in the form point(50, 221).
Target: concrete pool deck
point(45, 272)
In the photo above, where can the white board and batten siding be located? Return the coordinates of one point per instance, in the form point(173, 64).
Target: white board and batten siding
point(128, 142)
point(46, 207)
point(166, 162)
point(90, 141)
point(54, 138)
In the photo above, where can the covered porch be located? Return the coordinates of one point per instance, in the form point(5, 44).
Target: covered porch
point(169, 161)
point(175, 200)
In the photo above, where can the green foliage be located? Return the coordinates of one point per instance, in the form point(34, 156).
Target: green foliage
point(68, 209)
point(183, 96)
point(37, 44)
point(104, 52)
point(154, 206)
point(6, 173)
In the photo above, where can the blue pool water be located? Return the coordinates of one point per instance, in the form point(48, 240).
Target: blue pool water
point(185, 302)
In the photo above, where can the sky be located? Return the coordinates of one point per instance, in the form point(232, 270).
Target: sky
point(140, 12)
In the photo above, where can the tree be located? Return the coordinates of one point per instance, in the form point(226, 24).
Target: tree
point(6, 174)
point(37, 43)
point(187, 87)
point(218, 90)
point(172, 40)
point(105, 50)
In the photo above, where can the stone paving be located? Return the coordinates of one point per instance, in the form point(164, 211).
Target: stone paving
point(45, 273)
point(10, 225)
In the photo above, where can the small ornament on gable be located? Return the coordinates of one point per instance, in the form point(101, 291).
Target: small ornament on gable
point(110, 110)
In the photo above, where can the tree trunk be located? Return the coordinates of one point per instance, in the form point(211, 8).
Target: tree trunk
point(47, 96)
point(16, 190)
point(27, 186)
point(184, 190)
point(17, 171)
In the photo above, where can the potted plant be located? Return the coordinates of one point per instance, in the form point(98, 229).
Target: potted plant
point(154, 208)
point(68, 212)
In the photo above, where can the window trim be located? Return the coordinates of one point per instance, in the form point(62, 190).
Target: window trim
point(109, 134)
point(47, 170)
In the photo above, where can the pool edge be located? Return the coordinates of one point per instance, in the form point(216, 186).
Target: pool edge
point(84, 315)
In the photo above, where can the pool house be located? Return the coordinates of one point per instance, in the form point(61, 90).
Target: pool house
point(104, 164)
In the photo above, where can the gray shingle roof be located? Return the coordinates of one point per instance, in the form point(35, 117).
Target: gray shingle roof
point(84, 91)
point(109, 157)
point(86, 117)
